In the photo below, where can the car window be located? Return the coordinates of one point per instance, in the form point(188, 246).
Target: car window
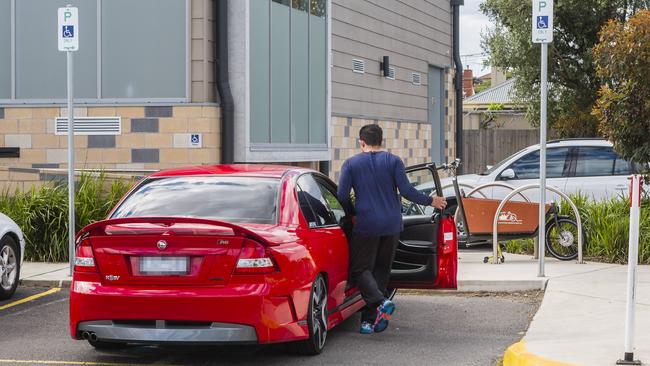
point(595, 161)
point(527, 167)
point(423, 181)
point(313, 204)
point(232, 199)
point(333, 203)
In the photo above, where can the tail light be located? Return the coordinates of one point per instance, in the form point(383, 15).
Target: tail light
point(449, 239)
point(254, 258)
point(84, 259)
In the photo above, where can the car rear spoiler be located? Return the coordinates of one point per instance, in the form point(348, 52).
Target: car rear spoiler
point(99, 227)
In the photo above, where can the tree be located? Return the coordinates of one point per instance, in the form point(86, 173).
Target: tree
point(622, 60)
point(573, 84)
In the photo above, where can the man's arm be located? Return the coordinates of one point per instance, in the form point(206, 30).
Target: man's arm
point(406, 189)
point(344, 189)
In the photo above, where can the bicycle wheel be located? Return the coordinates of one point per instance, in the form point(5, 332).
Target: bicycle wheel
point(562, 238)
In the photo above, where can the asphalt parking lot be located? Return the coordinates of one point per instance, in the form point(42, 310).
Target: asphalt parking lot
point(439, 329)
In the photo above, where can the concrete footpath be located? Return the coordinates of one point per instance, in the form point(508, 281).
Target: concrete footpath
point(581, 320)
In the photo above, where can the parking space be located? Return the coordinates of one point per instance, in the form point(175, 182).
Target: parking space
point(426, 330)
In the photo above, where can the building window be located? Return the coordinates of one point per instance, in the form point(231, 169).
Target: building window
point(5, 44)
point(152, 63)
point(136, 54)
point(288, 73)
point(302, 5)
point(40, 66)
point(318, 8)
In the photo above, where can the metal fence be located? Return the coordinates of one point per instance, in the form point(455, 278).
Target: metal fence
point(489, 146)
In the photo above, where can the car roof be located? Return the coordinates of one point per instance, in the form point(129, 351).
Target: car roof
point(242, 170)
point(573, 142)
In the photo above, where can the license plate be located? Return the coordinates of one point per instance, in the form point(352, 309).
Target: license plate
point(164, 265)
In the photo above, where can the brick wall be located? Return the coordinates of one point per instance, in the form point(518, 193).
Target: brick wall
point(152, 137)
point(411, 141)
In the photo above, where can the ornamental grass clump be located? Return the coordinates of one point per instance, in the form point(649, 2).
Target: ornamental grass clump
point(606, 224)
point(42, 213)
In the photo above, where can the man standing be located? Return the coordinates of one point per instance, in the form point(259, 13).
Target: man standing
point(375, 176)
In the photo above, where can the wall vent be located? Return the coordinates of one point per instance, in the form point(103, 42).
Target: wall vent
point(90, 125)
point(416, 78)
point(391, 73)
point(358, 66)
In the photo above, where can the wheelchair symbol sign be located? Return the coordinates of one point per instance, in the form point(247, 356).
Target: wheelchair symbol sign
point(542, 22)
point(68, 31)
point(195, 140)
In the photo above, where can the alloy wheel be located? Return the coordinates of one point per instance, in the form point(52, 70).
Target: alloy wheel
point(8, 265)
point(319, 312)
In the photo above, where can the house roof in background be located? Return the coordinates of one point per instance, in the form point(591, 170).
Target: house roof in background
point(501, 93)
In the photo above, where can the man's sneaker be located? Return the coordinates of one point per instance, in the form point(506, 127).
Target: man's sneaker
point(366, 328)
point(384, 312)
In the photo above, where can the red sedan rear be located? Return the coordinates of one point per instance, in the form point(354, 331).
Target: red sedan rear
point(236, 254)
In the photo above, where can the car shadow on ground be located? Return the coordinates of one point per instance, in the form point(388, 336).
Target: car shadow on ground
point(231, 354)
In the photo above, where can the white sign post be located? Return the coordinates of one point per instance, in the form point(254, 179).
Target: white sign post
point(68, 36)
point(542, 33)
point(632, 260)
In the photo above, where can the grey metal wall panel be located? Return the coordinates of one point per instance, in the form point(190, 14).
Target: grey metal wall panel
point(5, 46)
point(318, 80)
point(413, 33)
point(299, 76)
point(280, 73)
point(259, 72)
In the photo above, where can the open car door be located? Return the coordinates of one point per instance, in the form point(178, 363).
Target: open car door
point(426, 255)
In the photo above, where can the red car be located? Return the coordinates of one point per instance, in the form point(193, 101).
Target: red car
point(237, 254)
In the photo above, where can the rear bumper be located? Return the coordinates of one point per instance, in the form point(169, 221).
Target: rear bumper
point(245, 313)
point(216, 333)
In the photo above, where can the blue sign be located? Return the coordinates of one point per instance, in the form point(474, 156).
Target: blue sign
point(195, 138)
point(68, 31)
point(542, 22)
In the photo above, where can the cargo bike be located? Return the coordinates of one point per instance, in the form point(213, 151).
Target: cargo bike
point(517, 220)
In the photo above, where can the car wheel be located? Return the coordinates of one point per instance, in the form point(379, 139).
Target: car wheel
point(316, 321)
point(9, 267)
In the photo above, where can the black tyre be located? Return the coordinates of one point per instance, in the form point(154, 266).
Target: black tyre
point(316, 321)
point(562, 238)
point(9, 267)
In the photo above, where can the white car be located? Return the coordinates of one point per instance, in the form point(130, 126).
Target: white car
point(588, 166)
point(12, 249)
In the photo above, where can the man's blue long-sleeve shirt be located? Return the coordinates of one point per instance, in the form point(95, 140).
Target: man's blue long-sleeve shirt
point(376, 178)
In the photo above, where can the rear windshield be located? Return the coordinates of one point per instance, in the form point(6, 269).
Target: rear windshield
point(231, 199)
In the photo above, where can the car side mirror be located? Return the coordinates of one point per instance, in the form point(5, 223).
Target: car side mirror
point(508, 174)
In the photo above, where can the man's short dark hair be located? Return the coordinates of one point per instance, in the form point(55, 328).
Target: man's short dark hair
point(371, 135)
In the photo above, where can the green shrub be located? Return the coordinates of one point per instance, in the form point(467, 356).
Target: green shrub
point(42, 213)
point(606, 224)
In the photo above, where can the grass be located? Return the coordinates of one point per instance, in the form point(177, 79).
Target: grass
point(42, 213)
point(606, 224)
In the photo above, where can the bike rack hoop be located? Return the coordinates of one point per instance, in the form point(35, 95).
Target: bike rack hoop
point(495, 222)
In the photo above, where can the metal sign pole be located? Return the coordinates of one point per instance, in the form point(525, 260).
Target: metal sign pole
point(632, 260)
point(542, 161)
point(71, 206)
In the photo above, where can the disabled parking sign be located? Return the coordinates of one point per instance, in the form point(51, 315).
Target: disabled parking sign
point(542, 21)
point(68, 29)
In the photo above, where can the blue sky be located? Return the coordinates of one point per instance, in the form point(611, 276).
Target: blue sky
point(472, 23)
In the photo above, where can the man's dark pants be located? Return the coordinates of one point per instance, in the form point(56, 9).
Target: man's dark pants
point(371, 258)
